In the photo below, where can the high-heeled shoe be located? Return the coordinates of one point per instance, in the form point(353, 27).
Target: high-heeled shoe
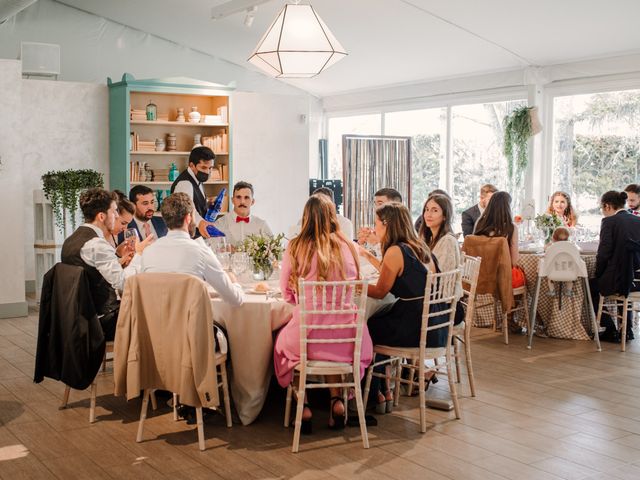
point(306, 427)
point(338, 420)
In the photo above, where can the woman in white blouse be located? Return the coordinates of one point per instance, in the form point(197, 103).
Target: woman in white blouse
point(437, 233)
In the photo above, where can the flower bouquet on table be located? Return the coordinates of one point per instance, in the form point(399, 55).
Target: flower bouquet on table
point(547, 223)
point(263, 250)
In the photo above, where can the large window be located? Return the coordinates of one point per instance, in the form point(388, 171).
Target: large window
point(477, 150)
point(427, 129)
point(596, 147)
point(356, 125)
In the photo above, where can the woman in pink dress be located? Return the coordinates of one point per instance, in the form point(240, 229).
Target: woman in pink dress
point(320, 252)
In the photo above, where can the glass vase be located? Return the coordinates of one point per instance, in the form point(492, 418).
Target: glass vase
point(262, 270)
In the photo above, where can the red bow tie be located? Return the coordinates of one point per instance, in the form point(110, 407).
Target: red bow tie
point(242, 219)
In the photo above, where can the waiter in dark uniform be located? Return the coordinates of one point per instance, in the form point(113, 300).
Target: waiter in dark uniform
point(190, 182)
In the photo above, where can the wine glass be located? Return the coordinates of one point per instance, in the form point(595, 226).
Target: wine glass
point(239, 263)
point(130, 237)
point(225, 260)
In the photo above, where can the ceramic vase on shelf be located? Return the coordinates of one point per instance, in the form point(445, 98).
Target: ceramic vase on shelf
point(197, 140)
point(262, 270)
point(160, 145)
point(152, 112)
point(194, 115)
point(171, 142)
point(180, 117)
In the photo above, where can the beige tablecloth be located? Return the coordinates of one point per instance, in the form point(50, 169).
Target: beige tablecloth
point(569, 320)
point(250, 330)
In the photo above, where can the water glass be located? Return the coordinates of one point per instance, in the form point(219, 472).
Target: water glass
point(239, 263)
point(225, 260)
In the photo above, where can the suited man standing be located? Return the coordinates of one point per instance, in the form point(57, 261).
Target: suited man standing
point(471, 215)
point(143, 220)
point(616, 260)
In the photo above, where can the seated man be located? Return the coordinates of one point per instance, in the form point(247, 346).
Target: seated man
point(471, 215)
point(381, 197)
point(143, 220)
point(87, 248)
point(177, 252)
point(239, 223)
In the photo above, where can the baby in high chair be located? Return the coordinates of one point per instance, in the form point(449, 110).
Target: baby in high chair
point(560, 234)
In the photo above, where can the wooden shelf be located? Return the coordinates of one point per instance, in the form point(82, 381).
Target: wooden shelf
point(170, 153)
point(178, 124)
point(212, 182)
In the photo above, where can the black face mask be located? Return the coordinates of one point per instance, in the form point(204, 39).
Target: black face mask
point(202, 176)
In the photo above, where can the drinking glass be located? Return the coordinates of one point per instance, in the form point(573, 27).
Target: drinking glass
point(239, 263)
point(218, 245)
point(225, 260)
point(130, 236)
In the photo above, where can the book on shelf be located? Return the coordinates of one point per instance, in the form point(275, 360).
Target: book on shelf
point(223, 113)
point(218, 143)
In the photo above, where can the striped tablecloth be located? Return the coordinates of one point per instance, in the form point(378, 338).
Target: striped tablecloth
point(568, 320)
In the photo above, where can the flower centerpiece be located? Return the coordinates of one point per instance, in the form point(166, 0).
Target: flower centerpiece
point(547, 223)
point(263, 251)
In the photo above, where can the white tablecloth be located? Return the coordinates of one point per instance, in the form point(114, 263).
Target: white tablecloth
point(250, 330)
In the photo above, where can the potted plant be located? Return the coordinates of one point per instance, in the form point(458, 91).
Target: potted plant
point(62, 189)
point(519, 126)
point(263, 251)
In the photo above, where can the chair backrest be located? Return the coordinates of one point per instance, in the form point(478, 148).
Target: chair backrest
point(164, 338)
point(470, 271)
point(495, 269)
point(562, 263)
point(332, 313)
point(439, 292)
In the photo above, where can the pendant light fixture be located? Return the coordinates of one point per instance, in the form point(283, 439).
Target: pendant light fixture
point(298, 44)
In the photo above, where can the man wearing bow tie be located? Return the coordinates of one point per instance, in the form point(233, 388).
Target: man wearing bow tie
point(239, 223)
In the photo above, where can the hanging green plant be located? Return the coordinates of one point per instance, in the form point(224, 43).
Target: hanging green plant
point(517, 131)
point(63, 188)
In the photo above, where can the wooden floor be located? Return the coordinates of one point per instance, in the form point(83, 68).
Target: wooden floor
point(561, 410)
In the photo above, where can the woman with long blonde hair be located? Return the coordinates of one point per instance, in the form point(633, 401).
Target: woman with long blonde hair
point(320, 252)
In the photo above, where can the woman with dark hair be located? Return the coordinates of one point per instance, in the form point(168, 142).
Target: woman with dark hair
point(126, 209)
point(437, 233)
point(616, 259)
point(320, 252)
point(406, 261)
point(497, 221)
point(560, 205)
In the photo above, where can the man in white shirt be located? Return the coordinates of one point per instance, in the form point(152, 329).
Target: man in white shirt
point(345, 224)
point(177, 252)
point(381, 197)
point(87, 248)
point(633, 198)
point(201, 160)
point(239, 223)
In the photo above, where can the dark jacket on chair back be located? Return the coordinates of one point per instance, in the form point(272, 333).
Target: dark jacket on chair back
point(70, 343)
point(615, 257)
point(103, 294)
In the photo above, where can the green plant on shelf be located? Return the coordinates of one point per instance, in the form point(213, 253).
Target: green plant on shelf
point(62, 188)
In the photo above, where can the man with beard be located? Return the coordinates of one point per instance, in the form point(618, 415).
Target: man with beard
point(237, 225)
point(143, 221)
point(633, 198)
point(87, 248)
point(177, 252)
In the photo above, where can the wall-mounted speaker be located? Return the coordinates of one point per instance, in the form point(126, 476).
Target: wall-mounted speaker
point(40, 59)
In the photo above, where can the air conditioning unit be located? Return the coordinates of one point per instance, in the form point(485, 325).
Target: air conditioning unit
point(10, 8)
point(41, 59)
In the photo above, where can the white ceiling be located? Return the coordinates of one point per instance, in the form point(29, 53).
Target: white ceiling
point(393, 42)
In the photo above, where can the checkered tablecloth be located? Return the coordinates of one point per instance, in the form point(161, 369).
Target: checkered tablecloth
point(569, 321)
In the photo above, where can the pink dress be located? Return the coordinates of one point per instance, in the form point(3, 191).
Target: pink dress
point(286, 354)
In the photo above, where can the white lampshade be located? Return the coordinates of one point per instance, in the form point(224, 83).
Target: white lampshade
point(298, 44)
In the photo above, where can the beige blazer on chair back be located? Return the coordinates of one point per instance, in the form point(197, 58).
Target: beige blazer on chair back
point(164, 338)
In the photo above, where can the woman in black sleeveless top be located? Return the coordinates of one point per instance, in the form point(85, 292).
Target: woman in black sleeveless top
point(406, 261)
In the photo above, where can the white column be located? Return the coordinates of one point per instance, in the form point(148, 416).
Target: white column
point(12, 286)
point(538, 174)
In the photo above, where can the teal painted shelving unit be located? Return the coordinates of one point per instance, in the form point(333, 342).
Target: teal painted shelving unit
point(168, 94)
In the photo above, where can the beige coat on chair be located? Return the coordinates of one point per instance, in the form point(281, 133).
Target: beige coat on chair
point(164, 339)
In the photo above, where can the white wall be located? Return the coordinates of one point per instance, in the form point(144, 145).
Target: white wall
point(94, 48)
point(12, 297)
point(64, 125)
point(271, 151)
